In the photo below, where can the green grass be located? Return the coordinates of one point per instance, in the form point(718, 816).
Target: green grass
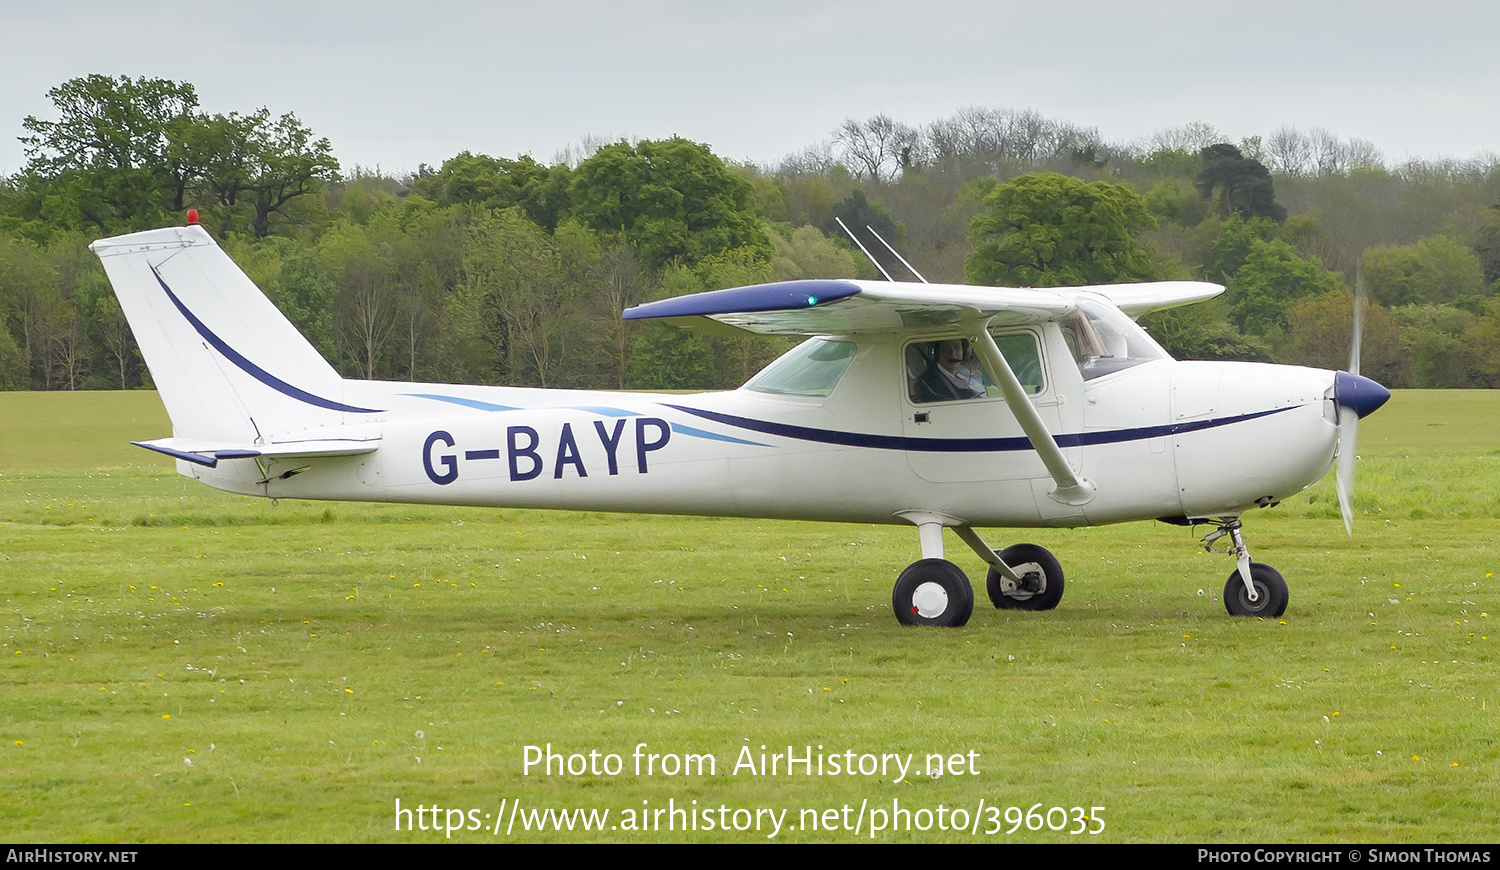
point(317, 662)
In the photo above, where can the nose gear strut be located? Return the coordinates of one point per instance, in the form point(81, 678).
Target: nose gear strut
point(1253, 589)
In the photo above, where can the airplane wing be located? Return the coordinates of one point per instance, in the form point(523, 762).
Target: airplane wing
point(848, 307)
point(830, 307)
point(838, 307)
point(1138, 299)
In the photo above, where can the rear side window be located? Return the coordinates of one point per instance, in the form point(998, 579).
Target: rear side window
point(812, 368)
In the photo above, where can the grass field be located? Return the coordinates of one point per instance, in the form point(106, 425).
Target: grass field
point(183, 665)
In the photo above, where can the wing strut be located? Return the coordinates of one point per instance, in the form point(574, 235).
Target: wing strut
point(1070, 489)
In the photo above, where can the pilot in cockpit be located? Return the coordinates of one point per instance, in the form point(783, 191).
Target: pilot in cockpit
point(952, 372)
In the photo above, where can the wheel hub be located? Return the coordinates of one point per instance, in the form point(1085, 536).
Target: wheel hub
point(929, 600)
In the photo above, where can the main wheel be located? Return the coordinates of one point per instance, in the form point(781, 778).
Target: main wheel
point(1048, 583)
point(1270, 593)
point(933, 592)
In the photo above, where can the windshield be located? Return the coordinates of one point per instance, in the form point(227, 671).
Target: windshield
point(1103, 340)
point(812, 368)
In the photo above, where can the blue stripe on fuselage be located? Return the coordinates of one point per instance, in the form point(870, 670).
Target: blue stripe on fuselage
point(964, 445)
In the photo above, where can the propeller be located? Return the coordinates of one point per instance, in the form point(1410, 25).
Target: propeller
point(1355, 396)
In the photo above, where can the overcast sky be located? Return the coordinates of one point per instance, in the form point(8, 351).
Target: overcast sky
point(396, 84)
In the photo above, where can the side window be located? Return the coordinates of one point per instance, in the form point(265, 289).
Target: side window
point(1025, 358)
point(948, 369)
point(813, 368)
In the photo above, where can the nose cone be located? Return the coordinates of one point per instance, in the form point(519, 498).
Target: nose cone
point(1360, 395)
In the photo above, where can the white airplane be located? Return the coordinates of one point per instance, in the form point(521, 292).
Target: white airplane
point(941, 406)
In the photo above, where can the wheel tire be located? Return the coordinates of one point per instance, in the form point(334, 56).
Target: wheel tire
point(1270, 588)
point(1052, 578)
point(933, 592)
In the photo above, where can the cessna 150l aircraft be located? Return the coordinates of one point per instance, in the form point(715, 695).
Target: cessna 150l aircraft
point(942, 406)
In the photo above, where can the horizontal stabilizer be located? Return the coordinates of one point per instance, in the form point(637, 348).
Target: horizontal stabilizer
point(209, 453)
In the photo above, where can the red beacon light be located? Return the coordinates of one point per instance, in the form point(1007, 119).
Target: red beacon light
point(192, 215)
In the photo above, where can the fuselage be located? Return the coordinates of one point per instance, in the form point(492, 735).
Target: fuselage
point(1158, 439)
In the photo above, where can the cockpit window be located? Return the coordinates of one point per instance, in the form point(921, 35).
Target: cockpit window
point(948, 369)
point(1103, 340)
point(812, 368)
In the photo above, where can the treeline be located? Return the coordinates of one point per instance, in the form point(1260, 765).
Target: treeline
point(509, 270)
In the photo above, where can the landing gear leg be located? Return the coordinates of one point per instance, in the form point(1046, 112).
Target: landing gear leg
point(1254, 589)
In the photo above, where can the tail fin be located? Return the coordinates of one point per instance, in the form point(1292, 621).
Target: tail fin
point(229, 366)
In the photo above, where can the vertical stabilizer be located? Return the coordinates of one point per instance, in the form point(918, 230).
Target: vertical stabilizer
point(229, 366)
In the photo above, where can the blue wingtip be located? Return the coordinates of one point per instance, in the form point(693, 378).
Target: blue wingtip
point(781, 296)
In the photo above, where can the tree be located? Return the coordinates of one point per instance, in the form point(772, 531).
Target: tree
point(1434, 347)
point(1245, 183)
point(1272, 277)
point(1434, 270)
point(666, 358)
point(366, 309)
point(858, 213)
point(499, 183)
point(262, 165)
point(1231, 246)
point(624, 285)
point(1483, 337)
point(306, 296)
point(1171, 201)
point(117, 157)
point(126, 152)
point(530, 283)
point(1322, 326)
point(741, 356)
point(1203, 331)
point(673, 200)
point(1487, 246)
point(12, 363)
point(29, 297)
point(1051, 230)
point(879, 148)
point(106, 123)
point(807, 253)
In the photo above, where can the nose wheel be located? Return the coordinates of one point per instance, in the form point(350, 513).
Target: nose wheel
point(1254, 589)
point(1270, 593)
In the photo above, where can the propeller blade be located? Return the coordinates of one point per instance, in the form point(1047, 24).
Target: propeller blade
point(1348, 441)
point(1356, 397)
